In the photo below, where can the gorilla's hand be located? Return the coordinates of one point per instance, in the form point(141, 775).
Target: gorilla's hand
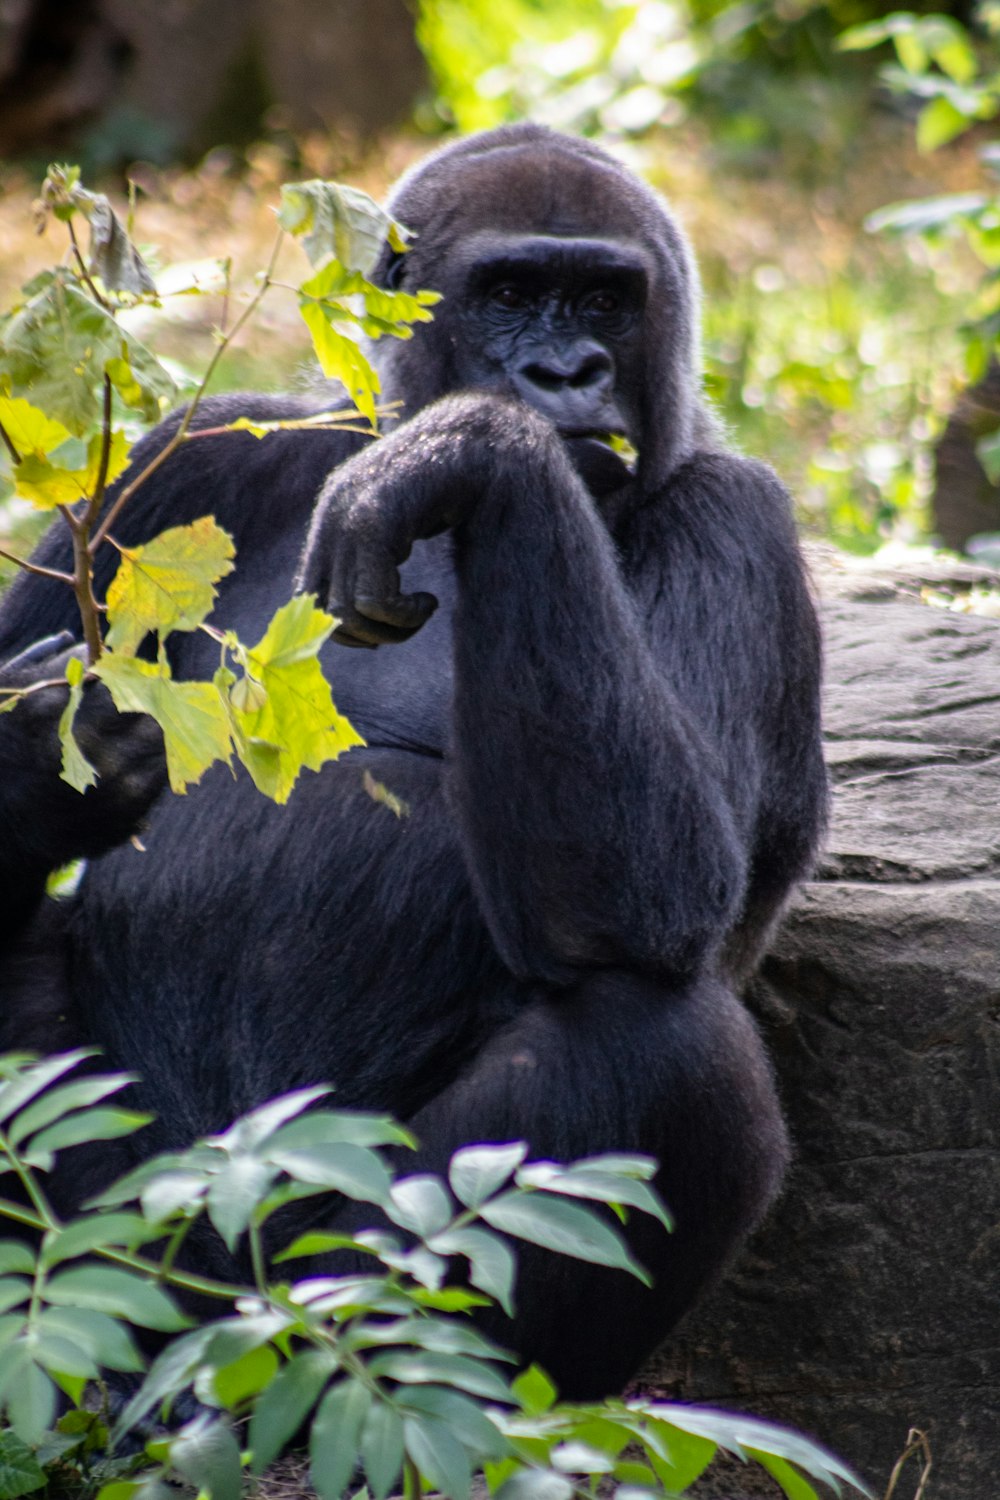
point(126, 750)
point(415, 483)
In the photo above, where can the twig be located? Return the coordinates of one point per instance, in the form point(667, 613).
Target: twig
point(182, 431)
point(8, 443)
point(81, 264)
point(30, 567)
point(917, 1442)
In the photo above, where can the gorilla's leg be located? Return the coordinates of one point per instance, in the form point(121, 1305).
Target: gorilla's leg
point(624, 1063)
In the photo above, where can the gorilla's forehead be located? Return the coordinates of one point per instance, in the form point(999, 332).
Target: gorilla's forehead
point(557, 253)
point(517, 191)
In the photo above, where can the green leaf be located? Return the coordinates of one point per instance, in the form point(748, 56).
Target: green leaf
point(428, 1368)
point(491, 1263)
point(171, 1372)
point(59, 1102)
point(438, 1455)
point(260, 1125)
point(738, 1434)
point(79, 1238)
point(473, 1428)
point(579, 1181)
point(31, 430)
point(335, 1437)
point(77, 1130)
point(169, 1192)
point(103, 1338)
point(560, 1226)
point(927, 214)
point(55, 348)
point(353, 1170)
point(47, 484)
point(319, 1242)
point(169, 584)
point(340, 358)
point(20, 1471)
point(354, 1129)
point(534, 1391)
point(333, 220)
point(14, 1291)
point(31, 1401)
point(298, 722)
point(207, 1454)
point(382, 1448)
point(794, 1486)
point(120, 1292)
point(25, 1082)
point(60, 1355)
point(113, 257)
point(939, 122)
point(476, 1172)
point(420, 1204)
point(16, 1256)
point(286, 1403)
point(244, 1377)
point(535, 1484)
point(191, 714)
point(234, 1194)
point(988, 453)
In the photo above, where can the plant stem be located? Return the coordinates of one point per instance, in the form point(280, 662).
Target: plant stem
point(44, 1217)
point(206, 1285)
point(85, 275)
point(257, 1259)
point(412, 1488)
point(182, 431)
point(8, 443)
point(30, 567)
point(83, 588)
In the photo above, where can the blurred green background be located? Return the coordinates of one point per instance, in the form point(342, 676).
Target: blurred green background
point(838, 354)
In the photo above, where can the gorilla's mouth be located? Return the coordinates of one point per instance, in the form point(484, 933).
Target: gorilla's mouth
point(604, 460)
point(613, 444)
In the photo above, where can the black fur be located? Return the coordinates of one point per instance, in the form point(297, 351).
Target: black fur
point(601, 707)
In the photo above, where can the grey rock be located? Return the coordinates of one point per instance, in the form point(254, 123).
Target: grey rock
point(869, 1303)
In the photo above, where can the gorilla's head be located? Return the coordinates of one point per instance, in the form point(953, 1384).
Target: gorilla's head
point(566, 283)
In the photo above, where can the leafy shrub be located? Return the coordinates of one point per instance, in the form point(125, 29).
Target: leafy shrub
point(381, 1372)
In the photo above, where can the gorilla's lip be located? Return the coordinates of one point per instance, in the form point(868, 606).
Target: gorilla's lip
point(603, 437)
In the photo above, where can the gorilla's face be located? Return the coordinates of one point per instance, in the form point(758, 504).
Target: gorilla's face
point(558, 323)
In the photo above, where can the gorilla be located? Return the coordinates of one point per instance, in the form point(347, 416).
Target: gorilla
point(595, 684)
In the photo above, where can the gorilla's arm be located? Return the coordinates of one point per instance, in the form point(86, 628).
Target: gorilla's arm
point(262, 491)
point(606, 820)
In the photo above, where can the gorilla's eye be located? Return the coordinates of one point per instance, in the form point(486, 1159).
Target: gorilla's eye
point(603, 301)
point(509, 296)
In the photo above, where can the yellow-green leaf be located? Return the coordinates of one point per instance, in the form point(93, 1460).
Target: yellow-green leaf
point(28, 428)
point(169, 584)
point(939, 122)
point(334, 220)
point(191, 714)
point(76, 768)
point(47, 484)
point(341, 359)
point(297, 725)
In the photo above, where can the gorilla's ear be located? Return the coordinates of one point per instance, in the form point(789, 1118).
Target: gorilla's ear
point(393, 269)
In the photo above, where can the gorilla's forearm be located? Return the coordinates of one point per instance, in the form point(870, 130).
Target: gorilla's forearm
point(581, 780)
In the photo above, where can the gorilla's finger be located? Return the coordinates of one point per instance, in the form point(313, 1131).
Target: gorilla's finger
point(404, 612)
point(41, 650)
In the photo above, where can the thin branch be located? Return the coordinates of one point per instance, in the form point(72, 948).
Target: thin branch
point(182, 431)
point(30, 567)
point(97, 498)
point(81, 265)
point(207, 1285)
point(8, 443)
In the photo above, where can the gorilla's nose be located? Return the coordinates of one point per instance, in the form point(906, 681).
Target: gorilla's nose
point(573, 386)
point(582, 367)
